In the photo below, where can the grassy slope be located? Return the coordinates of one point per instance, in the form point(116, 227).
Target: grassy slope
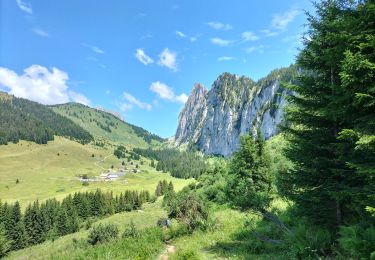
point(43, 174)
point(121, 132)
point(66, 248)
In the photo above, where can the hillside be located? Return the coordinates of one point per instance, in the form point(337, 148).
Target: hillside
point(46, 171)
point(22, 119)
point(105, 126)
point(215, 119)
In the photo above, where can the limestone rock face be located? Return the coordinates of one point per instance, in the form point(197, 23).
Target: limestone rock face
point(235, 105)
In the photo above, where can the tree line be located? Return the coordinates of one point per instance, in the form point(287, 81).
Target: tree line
point(181, 164)
point(22, 119)
point(52, 218)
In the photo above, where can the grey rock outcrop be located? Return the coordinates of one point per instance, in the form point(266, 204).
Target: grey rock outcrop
point(214, 120)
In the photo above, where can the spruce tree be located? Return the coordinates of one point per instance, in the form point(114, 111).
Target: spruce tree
point(323, 184)
point(250, 181)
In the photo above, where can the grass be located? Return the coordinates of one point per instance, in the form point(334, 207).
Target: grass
point(228, 239)
point(89, 118)
point(75, 246)
point(42, 173)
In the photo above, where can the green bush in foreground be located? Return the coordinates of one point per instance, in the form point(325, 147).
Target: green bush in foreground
point(102, 234)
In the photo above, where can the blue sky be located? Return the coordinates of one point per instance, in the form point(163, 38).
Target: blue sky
point(141, 58)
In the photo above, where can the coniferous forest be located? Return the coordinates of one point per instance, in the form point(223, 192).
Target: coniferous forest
point(22, 119)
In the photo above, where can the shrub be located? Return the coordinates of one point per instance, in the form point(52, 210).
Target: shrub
point(131, 231)
point(357, 242)
point(188, 254)
point(102, 234)
point(309, 242)
point(188, 208)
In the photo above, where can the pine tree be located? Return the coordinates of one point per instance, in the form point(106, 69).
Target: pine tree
point(249, 185)
point(5, 244)
point(16, 231)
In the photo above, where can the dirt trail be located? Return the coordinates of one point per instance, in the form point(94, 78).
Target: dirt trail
point(169, 249)
point(102, 160)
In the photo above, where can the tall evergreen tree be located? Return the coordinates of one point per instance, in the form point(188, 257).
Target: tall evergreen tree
point(250, 181)
point(323, 183)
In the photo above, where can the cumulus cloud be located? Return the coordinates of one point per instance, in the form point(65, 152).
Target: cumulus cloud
point(26, 7)
point(249, 36)
point(225, 58)
point(220, 26)
point(93, 48)
point(143, 57)
point(131, 101)
point(269, 33)
point(220, 42)
point(168, 59)
point(281, 21)
point(39, 84)
point(41, 32)
point(165, 92)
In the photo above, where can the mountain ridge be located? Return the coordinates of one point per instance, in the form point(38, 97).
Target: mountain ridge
point(213, 120)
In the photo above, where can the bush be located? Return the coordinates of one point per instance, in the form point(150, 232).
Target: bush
point(309, 242)
point(102, 234)
point(131, 231)
point(357, 242)
point(187, 207)
point(188, 254)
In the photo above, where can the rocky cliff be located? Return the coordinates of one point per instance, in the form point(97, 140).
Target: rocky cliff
point(214, 120)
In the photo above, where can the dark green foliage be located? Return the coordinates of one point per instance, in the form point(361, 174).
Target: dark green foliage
point(163, 188)
point(130, 231)
point(180, 164)
point(4, 242)
point(27, 120)
point(52, 218)
point(330, 125)
point(187, 207)
point(120, 152)
point(102, 234)
point(147, 136)
point(357, 241)
point(212, 184)
point(250, 180)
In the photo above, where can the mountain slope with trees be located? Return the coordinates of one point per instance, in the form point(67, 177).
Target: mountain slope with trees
point(105, 126)
point(27, 120)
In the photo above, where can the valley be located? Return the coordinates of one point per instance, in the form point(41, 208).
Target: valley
point(274, 160)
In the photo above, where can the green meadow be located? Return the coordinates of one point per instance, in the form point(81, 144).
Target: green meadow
point(52, 170)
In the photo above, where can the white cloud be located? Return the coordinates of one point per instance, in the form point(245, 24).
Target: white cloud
point(182, 98)
point(93, 48)
point(249, 36)
point(165, 92)
point(26, 7)
point(79, 98)
point(193, 39)
point(225, 58)
point(143, 57)
point(220, 42)
point(131, 101)
point(39, 84)
point(220, 26)
point(168, 59)
point(281, 21)
point(269, 33)
point(259, 49)
point(181, 34)
point(41, 32)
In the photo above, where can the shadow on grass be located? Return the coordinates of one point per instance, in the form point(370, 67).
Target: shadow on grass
point(245, 245)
